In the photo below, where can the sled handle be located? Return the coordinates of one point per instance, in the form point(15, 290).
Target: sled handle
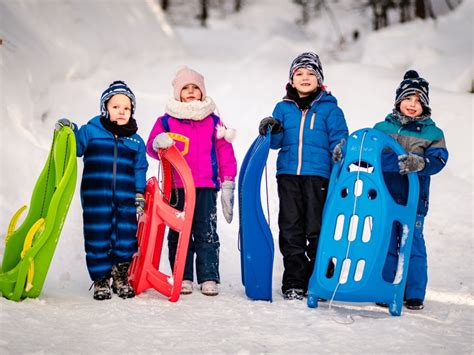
point(181, 138)
point(29, 237)
point(26, 246)
point(13, 221)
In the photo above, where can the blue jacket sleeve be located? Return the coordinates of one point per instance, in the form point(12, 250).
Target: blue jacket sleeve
point(435, 160)
point(141, 166)
point(82, 140)
point(337, 127)
point(276, 140)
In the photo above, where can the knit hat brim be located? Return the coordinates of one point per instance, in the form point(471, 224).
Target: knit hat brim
point(185, 76)
point(310, 61)
point(413, 84)
point(116, 88)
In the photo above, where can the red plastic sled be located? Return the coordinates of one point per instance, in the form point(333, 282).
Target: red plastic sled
point(144, 271)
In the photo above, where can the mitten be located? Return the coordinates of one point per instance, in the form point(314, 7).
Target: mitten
point(140, 203)
point(410, 163)
point(227, 199)
point(162, 141)
point(337, 152)
point(64, 122)
point(267, 122)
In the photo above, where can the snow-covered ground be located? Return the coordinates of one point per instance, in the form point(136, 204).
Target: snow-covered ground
point(57, 57)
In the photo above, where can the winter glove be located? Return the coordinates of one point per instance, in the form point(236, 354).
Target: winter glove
point(410, 163)
point(337, 152)
point(140, 203)
point(227, 199)
point(64, 122)
point(274, 124)
point(162, 141)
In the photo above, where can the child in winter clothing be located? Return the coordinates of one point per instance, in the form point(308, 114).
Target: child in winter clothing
point(211, 159)
point(410, 125)
point(306, 126)
point(112, 187)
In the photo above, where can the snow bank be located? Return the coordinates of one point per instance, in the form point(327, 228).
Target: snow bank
point(51, 50)
point(440, 49)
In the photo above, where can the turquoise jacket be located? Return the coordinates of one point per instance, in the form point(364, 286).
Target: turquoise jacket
point(422, 138)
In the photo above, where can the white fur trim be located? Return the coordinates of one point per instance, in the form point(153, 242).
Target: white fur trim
point(230, 134)
point(220, 131)
point(194, 110)
point(223, 132)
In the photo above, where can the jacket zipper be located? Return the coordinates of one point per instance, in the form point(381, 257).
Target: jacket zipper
point(300, 142)
point(114, 168)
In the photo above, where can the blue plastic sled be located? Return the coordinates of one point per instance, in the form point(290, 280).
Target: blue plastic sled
point(357, 223)
point(256, 241)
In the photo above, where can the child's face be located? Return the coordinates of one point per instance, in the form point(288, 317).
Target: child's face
point(190, 93)
point(411, 106)
point(305, 81)
point(120, 109)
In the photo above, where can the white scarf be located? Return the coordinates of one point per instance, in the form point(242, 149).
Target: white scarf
point(198, 110)
point(195, 110)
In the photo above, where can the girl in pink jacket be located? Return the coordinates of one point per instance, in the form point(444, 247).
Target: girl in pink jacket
point(211, 159)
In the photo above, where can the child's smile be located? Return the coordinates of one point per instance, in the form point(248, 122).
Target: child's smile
point(411, 106)
point(305, 81)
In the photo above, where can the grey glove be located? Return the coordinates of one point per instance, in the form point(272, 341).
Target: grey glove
point(140, 203)
point(64, 122)
point(269, 122)
point(227, 199)
point(162, 141)
point(337, 152)
point(410, 163)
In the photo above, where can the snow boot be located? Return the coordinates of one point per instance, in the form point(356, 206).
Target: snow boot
point(120, 284)
point(209, 288)
point(187, 287)
point(414, 304)
point(102, 290)
point(293, 294)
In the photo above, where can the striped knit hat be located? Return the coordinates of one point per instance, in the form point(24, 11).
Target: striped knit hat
point(117, 87)
point(412, 84)
point(310, 61)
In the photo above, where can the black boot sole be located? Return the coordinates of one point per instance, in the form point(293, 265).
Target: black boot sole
point(123, 295)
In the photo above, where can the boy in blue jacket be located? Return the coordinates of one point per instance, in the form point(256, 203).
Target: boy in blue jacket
point(410, 124)
point(112, 187)
point(306, 126)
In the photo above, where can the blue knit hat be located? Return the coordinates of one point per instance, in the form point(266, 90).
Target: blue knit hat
point(412, 84)
point(117, 87)
point(310, 61)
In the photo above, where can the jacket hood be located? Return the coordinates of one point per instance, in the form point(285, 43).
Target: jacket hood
point(323, 97)
point(426, 122)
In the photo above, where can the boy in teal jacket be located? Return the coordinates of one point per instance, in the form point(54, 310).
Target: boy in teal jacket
point(410, 125)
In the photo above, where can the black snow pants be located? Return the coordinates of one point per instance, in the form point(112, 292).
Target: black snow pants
point(302, 200)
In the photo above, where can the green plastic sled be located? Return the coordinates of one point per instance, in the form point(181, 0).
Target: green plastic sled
point(30, 248)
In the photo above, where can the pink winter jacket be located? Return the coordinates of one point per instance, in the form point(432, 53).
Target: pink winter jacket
point(211, 159)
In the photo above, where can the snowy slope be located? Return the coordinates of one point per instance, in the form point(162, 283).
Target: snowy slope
point(59, 56)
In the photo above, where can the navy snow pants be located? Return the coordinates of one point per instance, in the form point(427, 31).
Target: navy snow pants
point(204, 241)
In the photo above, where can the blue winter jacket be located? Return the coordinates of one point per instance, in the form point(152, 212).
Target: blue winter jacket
point(111, 163)
point(308, 137)
point(422, 138)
